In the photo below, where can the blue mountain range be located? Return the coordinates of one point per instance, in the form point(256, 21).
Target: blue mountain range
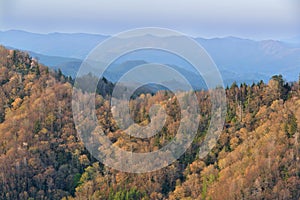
point(239, 60)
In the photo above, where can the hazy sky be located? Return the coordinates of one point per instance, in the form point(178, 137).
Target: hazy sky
point(258, 19)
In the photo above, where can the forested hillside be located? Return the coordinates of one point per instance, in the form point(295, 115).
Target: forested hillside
point(42, 157)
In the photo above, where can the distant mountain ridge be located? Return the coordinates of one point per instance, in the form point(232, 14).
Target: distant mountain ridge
point(241, 60)
point(74, 45)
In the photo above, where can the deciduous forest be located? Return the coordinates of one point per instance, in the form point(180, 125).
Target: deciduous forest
point(41, 156)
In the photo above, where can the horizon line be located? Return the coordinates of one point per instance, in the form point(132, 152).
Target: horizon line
point(109, 35)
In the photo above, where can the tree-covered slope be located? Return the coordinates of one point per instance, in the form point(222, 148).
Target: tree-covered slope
point(42, 157)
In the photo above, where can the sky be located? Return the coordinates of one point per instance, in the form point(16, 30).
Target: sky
point(255, 19)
